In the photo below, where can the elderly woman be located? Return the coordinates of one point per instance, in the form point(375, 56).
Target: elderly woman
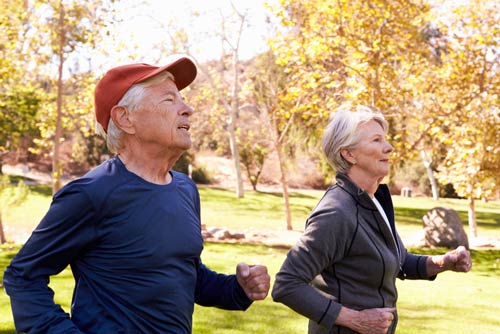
point(341, 273)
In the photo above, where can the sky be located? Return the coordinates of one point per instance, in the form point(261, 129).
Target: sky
point(141, 27)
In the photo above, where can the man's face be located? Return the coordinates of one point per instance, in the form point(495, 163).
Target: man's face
point(162, 119)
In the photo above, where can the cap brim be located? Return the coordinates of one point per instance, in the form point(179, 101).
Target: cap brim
point(183, 70)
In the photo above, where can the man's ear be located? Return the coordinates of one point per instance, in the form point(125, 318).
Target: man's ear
point(120, 116)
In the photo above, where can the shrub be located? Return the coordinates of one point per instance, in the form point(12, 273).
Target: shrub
point(182, 164)
point(200, 175)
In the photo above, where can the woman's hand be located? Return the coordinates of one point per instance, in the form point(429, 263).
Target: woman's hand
point(456, 260)
point(369, 321)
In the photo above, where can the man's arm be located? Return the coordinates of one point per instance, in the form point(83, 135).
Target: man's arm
point(220, 290)
point(58, 239)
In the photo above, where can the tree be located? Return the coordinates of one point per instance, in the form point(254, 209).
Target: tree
point(218, 91)
point(11, 196)
point(269, 82)
point(253, 137)
point(357, 51)
point(229, 99)
point(18, 109)
point(19, 98)
point(252, 157)
point(467, 88)
point(61, 31)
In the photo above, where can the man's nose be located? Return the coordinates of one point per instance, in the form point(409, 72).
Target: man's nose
point(186, 110)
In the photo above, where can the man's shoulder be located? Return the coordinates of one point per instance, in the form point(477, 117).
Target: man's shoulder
point(182, 178)
point(98, 181)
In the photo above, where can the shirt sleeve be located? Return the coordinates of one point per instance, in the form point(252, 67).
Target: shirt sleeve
point(219, 290)
point(66, 229)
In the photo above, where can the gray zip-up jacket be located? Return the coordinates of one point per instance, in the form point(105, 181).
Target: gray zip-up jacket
point(347, 256)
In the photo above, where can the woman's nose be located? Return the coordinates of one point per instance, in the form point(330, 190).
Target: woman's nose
point(389, 148)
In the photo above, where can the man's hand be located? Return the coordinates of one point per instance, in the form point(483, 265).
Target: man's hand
point(254, 280)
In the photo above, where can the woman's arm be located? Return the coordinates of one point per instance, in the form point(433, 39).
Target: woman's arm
point(458, 260)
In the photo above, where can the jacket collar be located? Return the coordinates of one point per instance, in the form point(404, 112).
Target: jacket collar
point(361, 196)
point(363, 199)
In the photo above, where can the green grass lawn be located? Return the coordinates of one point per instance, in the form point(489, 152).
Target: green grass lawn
point(453, 303)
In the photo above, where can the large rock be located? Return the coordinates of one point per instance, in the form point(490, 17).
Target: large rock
point(443, 228)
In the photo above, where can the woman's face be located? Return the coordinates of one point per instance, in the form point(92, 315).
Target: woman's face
point(371, 154)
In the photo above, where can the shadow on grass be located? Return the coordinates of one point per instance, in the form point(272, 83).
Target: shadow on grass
point(420, 319)
point(259, 318)
point(279, 194)
point(292, 194)
point(410, 216)
point(34, 185)
point(41, 189)
point(413, 216)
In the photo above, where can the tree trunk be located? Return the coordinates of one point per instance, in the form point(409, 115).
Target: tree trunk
point(2, 232)
point(284, 186)
point(236, 159)
point(1, 162)
point(56, 171)
point(430, 174)
point(472, 218)
point(283, 171)
point(233, 143)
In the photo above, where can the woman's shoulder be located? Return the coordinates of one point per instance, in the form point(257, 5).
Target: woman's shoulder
point(335, 197)
point(334, 206)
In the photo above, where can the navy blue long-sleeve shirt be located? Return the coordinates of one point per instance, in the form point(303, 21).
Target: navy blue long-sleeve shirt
point(134, 249)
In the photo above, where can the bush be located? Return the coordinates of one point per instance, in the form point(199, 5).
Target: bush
point(201, 176)
point(182, 164)
point(447, 191)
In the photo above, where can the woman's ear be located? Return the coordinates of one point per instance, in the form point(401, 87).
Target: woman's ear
point(348, 156)
point(120, 116)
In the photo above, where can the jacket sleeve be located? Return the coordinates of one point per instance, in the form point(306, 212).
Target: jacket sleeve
point(321, 244)
point(219, 290)
point(64, 231)
point(414, 267)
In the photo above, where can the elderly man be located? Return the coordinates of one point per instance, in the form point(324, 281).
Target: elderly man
point(130, 228)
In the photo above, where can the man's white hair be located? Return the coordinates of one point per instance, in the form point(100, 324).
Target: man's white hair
point(132, 99)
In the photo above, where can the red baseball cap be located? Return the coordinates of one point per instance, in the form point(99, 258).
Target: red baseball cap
point(115, 83)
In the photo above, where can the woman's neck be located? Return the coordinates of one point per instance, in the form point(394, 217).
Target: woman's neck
point(366, 182)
